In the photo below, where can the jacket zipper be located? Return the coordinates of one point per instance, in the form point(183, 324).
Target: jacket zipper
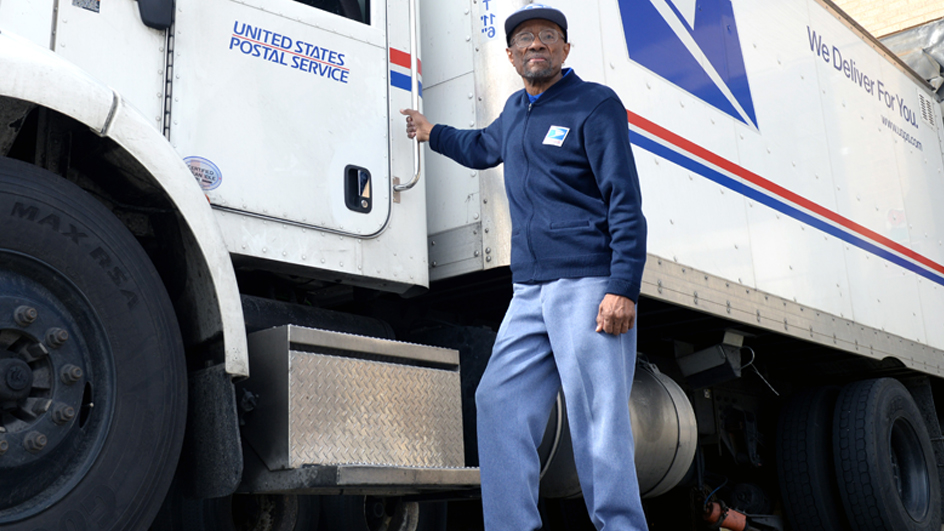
point(527, 178)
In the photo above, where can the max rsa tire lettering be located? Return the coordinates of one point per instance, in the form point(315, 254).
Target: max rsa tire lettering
point(94, 418)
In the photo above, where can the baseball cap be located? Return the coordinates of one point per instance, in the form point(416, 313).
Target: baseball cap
point(532, 11)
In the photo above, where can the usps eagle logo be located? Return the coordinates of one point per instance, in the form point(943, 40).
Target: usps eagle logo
point(556, 135)
point(695, 45)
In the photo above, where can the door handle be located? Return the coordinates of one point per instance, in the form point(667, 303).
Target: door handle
point(415, 99)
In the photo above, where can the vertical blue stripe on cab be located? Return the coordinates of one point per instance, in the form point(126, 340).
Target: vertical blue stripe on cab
point(403, 81)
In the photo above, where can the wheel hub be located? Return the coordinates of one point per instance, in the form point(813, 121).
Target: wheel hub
point(56, 373)
point(909, 469)
point(41, 381)
point(16, 378)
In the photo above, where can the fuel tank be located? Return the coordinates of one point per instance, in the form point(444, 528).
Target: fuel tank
point(664, 432)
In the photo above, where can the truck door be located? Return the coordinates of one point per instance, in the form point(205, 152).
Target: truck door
point(280, 109)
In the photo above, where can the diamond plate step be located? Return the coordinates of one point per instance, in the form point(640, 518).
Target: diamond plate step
point(357, 479)
point(326, 398)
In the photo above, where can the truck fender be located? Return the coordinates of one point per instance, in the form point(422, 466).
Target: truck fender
point(36, 75)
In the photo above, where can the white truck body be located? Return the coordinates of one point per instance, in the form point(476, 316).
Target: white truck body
point(790, 169)
point(769, 168)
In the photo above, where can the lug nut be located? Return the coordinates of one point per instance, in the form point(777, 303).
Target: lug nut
point(63, 414)
point(34, 442)
point(25, 315)
point(56, 337)
point(70, 374)
point(4, 446)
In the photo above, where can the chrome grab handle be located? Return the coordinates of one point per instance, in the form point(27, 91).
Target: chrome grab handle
point(415, 95)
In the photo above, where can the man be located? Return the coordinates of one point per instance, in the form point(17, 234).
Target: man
point(578, 247)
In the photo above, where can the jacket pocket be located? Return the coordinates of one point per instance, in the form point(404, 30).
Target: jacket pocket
point(569, 224)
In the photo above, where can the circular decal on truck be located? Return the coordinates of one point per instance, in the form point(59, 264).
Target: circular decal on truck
point(205, 172)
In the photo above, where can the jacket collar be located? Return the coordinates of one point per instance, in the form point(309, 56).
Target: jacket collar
point(563, 83)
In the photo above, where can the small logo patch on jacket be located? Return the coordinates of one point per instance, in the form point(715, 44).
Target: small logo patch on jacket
point(556, 135)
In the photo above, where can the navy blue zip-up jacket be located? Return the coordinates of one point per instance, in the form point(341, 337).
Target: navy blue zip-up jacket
point(571, 181)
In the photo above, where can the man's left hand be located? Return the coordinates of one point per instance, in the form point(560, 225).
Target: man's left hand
point(617, 315)
point(417, 126)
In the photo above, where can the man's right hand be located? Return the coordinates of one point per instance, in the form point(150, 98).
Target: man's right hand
point(417, 126)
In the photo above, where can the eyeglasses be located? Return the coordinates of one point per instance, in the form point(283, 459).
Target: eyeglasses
point(548, 37)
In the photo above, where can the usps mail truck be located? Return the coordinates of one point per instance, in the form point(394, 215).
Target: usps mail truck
point(234, 294)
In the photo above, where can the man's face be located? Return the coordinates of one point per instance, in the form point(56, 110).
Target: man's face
point(538, 62)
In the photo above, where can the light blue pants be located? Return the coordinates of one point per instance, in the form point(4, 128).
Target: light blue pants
point(548, 340)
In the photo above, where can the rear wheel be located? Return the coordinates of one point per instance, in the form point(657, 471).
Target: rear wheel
point(888, 476)
point(269, 512)
point(92, 376)
point(374, 513)
point(805, 461)
point(239, 512)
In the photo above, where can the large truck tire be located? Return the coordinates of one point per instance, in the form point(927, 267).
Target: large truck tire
point(93, 376)
point(805, 462)
point(374, 513)
point(888, 477)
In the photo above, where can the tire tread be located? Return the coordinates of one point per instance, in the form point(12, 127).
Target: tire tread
point(804, 462)
point(871, 501)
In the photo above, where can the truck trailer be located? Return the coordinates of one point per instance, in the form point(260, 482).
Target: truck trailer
point(235, 295)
